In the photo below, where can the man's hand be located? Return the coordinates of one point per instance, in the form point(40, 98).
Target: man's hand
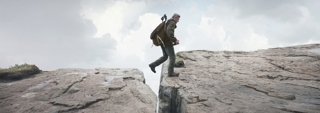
point(177, 42)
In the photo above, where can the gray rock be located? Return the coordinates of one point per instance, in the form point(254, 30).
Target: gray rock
point(79, 90)
point(274, 80)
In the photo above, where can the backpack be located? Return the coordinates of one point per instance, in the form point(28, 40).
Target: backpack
point(159, 33)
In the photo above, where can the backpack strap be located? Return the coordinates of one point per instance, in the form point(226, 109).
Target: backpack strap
point(160, 40)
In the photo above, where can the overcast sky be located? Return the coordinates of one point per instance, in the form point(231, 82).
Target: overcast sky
point(115, 33)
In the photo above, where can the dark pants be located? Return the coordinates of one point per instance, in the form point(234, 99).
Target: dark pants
point(167, 51)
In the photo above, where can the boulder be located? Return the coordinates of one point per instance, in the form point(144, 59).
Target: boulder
point(98, 90)
point(274, 80)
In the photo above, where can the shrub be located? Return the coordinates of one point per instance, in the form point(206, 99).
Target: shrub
point(18, 71)
point(179, 62)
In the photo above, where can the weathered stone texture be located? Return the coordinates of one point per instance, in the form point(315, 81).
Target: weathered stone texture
point(285, 80)
point(79, 91)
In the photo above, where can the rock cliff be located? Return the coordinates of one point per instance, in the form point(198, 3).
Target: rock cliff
point(285, 80)
point(79, 90)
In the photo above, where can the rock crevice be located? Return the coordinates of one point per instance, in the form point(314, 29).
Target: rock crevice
point(273, 80)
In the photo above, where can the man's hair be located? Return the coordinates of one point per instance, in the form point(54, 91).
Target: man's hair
point(175, 15)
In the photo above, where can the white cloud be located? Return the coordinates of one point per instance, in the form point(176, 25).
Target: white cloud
point(209, 34)
point(214, 34)
point(120, 17)
point(312, 42)
point(51, 35)
point(116, 33)
point(113, 18)
point(285, 22)
point(256, 41)
point(135, 42)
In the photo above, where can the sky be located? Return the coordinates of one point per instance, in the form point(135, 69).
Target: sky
point(88, 34)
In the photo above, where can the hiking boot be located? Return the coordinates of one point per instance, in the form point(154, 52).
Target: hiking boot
point(153, 68)
point(174, 74)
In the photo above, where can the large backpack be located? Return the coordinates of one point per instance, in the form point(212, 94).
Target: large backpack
point(159, 33)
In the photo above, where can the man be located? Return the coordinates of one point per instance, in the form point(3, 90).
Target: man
point(167, 47)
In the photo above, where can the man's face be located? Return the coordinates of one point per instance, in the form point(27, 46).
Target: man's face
point(176, 19)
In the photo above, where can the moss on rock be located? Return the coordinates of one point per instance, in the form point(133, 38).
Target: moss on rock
point(18, 71)
point(179, 55)
point(179, 62)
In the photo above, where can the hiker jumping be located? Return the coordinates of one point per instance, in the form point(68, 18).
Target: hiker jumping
point(167, 43)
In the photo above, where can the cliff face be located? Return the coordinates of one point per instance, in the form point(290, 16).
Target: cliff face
point(79, 90)
point(273, 80)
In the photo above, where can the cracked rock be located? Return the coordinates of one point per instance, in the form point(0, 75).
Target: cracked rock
point(79, 91)
point(276, 80)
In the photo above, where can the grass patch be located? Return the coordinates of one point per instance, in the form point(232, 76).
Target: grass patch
point(179, 62)
point(179, 54)
point(18, 71)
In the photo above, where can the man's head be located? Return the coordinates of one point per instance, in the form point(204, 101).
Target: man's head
point(176, 17)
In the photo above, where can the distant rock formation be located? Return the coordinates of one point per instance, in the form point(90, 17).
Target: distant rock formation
point(285, 80)
point(79, 90)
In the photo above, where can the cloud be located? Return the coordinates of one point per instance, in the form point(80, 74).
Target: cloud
point(115, 34)
point(50, 34)
point(282, 10)
point(213, 34)
point(114, 19)
point(284, 22)
point(269, 30)
point(136, 41)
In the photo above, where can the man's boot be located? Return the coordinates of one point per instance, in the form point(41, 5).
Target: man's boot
point(174, 74)
point(153, 68)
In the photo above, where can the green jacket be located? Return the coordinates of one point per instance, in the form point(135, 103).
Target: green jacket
point(170, 39)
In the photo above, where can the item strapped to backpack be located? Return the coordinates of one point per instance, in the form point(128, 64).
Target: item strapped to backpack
point(159, 32)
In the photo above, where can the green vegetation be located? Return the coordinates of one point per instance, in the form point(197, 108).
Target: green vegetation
point(179, 62)
point(18, 71)
point(179, 54)
point(179, 59)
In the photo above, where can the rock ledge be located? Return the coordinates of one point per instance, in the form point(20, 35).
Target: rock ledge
point(285, 80)
point(79, 90)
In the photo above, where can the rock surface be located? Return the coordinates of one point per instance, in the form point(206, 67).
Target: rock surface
point(79, 90)
point(285, 80)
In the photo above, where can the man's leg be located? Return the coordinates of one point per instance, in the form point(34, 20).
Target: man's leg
point(172, 57)
point(160, 60)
